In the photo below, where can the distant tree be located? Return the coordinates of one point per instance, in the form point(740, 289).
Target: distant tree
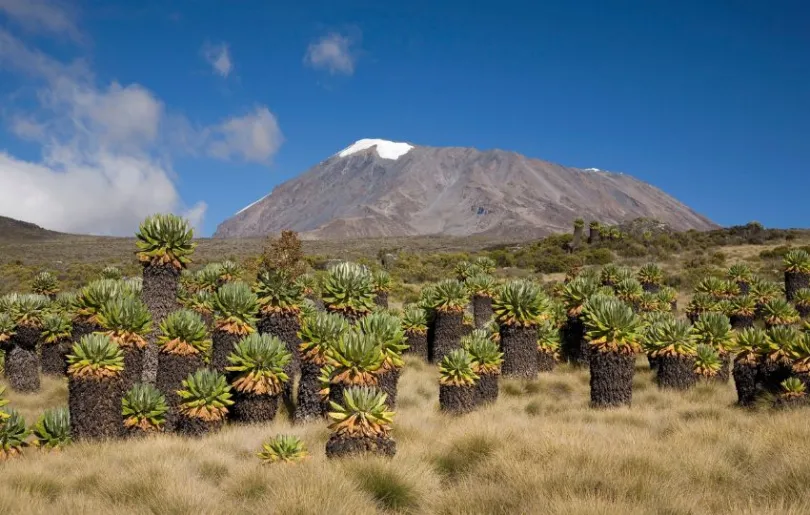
point(284, 254)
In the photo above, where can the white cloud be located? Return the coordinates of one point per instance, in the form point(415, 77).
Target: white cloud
point(106, 150)
point(101, 170)
point(219, 57)
point(27, 128)
point(332, 52)
point(43, 16)
point(254, 137)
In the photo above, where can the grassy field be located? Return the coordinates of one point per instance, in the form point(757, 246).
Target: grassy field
point(539, 449)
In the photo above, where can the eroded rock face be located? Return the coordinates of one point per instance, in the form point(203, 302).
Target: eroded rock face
point(452, 191)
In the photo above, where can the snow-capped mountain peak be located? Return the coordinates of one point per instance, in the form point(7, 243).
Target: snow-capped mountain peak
point(385, 149)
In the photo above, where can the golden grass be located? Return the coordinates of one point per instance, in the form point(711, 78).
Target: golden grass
point(539, 449)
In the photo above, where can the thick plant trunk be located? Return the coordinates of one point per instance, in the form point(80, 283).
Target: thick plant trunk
point(741, 322)
point(448, 334)
point(745, 381)
point(53, 358)
point(95, 408)
point(651, 287)
point(285, 327)
point(26, 337)
point(611, 379)
point(546, 361)
point(724, 373)
point(22, 370)
point(770, 376)
point(457, 400)
point(172, 370)
point(430, 336)
point(341, 446)
point(222, 345)
point(652, 361)
point(519, 346)
point(159, 293)
point(804, 311)
point(482, 310)
point(795, 281)
point(487, 388)
point(81, 328)
point(197, 427)
point(381, 299)
point(676, 372)
point(417, 342)
point(745, 288)
point(387, 382)
point(575, 349)
point(133, 366)
point(254, 408)
point(593, 235)
point(310, 406)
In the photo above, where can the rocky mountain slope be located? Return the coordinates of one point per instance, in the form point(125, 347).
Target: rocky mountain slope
point(17, 230)
point(381, 188)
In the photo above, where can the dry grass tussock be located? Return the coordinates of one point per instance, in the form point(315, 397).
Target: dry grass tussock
point(540, 449)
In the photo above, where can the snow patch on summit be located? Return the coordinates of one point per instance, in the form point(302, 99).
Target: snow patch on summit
point(251, 205)
point(385, 149)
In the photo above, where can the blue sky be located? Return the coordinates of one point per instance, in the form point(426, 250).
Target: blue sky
point(114, 109)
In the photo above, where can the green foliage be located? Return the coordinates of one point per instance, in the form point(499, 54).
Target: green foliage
point(258, 362)
point(802, 297)
point(144, 407)
point(283, 448)
point(521, 303)
point(486, 355)
point(308, 284)
point(382, 281)
point(183, 332)
point(387, 330)
point(748, 344)
point(793, 387)
point(56, 327)
point(548, 337)
point(764, 291)
point(28, 309)
point(127, 320)
point(780, 344)
point(95, 356)
point(319, 333)
point(744, 305)
point(13, 433)
point(629, 290)
point(797, 261)
point(482, 285)
point(450, 295)
point(670, 338)
point(52, 430)
point(349, 287)
point(486, 264)
point(278, 293)
point(779, 312)
point(357, 357)
point(611, 326)
point(111, 272)
point(66, 302)
point(651, 274)
point(165, 239)
point(713, 329)
point(739, 272)
point(205, 395)
point(235, 308)
point(229, 271)
point(456, 369)
point(45, 284)
point(707, 361)
point(363, 413)
point(414, 319)
point(93, 297)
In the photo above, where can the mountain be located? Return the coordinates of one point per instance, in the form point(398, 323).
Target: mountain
point(17, 230)
point(379, 188)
